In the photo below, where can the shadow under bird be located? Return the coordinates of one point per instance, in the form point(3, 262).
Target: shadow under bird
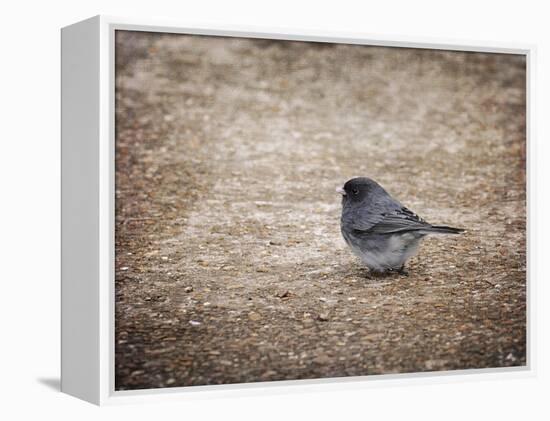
point(379, 230)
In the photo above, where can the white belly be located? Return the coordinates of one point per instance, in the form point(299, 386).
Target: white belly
point(393, 255)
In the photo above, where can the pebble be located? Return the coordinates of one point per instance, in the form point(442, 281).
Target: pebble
point(188, 289)
point(284, 294)
point(254, 316)
point(268, 374)
point(322, 317)
point(321, 359)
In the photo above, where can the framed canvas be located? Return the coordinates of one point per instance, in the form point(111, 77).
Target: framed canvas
point(248, 209)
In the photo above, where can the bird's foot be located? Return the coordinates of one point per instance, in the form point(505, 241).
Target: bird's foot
point(402, 271)
point(377, 274)
point(373, 273)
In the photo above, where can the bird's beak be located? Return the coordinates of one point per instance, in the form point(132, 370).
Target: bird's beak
point(341, 191)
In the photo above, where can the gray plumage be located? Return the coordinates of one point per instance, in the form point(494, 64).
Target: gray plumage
point(379, 229)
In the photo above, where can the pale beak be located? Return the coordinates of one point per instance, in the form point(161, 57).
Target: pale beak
point(341, 191)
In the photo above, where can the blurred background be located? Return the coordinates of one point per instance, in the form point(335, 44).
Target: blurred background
point(230, 266)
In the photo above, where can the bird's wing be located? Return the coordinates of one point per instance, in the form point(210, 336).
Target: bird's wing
point(358, 219)
point(396, 220)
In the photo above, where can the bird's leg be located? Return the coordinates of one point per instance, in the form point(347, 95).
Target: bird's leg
point(380, 273)
point(402, 271)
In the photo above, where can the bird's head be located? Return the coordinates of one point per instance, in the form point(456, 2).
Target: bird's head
point(356, 189)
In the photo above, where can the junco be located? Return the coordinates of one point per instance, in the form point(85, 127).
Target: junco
point(379, 229)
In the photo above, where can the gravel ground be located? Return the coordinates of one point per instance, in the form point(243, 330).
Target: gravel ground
point(230, 265)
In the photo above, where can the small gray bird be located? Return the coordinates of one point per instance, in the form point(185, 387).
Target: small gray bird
point(379, 229)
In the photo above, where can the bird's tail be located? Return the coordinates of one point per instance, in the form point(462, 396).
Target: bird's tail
point(442, 229)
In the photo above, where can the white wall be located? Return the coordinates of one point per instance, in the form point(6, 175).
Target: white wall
point(29, 174)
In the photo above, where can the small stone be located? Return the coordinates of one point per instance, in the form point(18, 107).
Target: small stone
point(268, 374)
point(188, 289)
point(194, 323)
point(254, 316)
point(124, 268)
point(322, 317)
point(321, 359)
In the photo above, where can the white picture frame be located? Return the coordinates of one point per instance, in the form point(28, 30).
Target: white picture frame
point(88, 212)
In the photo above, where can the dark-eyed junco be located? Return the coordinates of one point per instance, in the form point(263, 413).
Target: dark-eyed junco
point(379, 229)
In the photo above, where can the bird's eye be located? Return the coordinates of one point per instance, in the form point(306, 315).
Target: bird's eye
point(355, 191)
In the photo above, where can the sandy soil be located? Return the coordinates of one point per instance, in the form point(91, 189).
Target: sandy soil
point(230, 265)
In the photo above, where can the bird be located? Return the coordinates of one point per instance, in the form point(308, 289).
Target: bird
point(382, 232)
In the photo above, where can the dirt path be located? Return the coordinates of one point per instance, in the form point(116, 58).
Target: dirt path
point(230, 265)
